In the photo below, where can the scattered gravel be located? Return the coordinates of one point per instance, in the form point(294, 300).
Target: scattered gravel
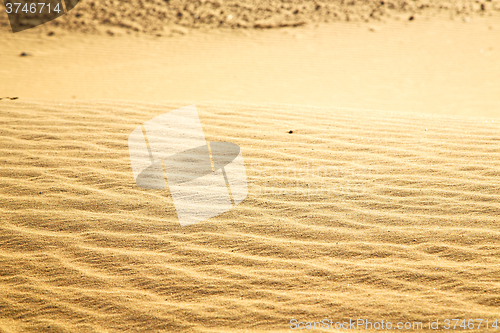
point(161, 17)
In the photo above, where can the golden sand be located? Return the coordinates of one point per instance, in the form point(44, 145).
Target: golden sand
point(160, 17)
point(356, 214)
point(351, 213)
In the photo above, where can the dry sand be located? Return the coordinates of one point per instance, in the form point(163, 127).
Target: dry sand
point(433, 66)
point(356, 214)
point(382, 215)
point(160, 17)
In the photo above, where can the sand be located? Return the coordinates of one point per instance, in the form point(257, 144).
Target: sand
point(371, 146)
point(160, 17)
point(426, 66)
point(356, 214)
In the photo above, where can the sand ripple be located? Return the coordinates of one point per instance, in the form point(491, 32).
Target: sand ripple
point(356, 214)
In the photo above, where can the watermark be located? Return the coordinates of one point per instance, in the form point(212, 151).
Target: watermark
point(367, 324)
point(205, 179)
point(27, 14)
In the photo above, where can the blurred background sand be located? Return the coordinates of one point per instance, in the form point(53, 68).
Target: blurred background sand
point(443, 61)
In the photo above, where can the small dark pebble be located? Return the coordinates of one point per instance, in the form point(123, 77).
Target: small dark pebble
point(25, 54)
point(12, 98)
point(290, 131)
point(50, 33)
point(411, 18)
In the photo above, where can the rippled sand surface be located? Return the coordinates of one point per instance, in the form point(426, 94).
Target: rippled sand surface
point(355, 214)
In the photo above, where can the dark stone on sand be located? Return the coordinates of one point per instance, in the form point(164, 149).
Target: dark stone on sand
point(290, 132)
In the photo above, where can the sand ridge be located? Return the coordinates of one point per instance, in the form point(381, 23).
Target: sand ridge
point(161, 17)
point(356, 214)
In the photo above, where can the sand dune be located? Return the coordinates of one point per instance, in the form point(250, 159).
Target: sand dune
point(436, 66)
point(356, 214)
point(350, 214)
